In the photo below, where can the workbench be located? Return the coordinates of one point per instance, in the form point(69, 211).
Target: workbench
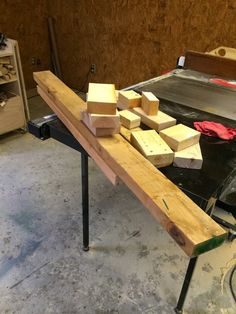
point(203, 186)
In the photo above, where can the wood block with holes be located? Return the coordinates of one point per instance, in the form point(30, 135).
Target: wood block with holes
point(150, 103)
point(104, 121)
point(98, 131)
point(152, 146)
point(180, 136)
point(129, 119)
point(128, 99)
point(101, 98)
point(159, 122)
point(190, 157)
point(126, 133)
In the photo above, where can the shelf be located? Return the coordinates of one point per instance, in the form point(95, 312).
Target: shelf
point(14, 113)
point(2, 81)
point(4, 53)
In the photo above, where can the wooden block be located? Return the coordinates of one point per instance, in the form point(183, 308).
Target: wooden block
point(104, 121)
point(117, 94)
point(190, 157)
point(98, 131)
point(126, 133)
point(128, 99)
point(152, 146)
point(101, 98)
point(180, 136)
point(108, 172)
point(150, 103)
point(193, 230)
point(159, 122)
point(129, 119)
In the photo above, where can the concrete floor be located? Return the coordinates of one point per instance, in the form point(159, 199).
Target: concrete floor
point(133, 265)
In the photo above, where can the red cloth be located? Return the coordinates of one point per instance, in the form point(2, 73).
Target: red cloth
point(215, 129)
point(223, 82)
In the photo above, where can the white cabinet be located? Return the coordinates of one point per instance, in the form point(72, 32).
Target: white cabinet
point(14, 111)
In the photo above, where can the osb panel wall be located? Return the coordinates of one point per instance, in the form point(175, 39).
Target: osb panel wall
point(128, 40)
point(134, 40)
point(26, 22)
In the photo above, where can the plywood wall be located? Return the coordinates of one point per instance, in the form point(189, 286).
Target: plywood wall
point(133, 40)
point(26, 22)
point(128, 40)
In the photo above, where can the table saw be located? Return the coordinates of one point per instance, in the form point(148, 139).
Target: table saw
point(188, 95)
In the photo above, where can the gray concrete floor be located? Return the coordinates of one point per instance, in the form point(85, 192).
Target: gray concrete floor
point(133, 265)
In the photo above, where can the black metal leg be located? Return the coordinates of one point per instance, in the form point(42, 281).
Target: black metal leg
point(184, 290)
point(85, 200)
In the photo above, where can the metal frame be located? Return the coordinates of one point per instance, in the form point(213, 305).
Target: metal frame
point(85, 213)
point(185, 286)
point(42, 130)
point(85, 200)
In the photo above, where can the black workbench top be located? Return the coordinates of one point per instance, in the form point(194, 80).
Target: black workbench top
point(219, 156)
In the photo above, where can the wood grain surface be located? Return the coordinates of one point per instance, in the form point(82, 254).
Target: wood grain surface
point(188, 225)
point(100, 32)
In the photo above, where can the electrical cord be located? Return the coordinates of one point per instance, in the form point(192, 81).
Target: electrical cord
point(231, 283)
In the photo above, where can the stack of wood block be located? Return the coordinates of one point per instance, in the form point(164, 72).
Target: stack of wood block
point(145, 108)
point(184, 141)
point(175, 144)
point(101, 116)
point(7, 71)
point(130, 123)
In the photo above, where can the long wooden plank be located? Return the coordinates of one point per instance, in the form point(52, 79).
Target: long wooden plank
point(192, 229)
point(109, 173)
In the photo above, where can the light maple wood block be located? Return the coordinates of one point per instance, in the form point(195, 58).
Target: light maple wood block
point(190, 157)
point(180, 136)
point(128, 99)
point(104, 121)
point(193, 230)
point(129, 119)
point(152, 146)
point(150, 103)
point(159, 122)
point(126, 133)
point(98, 131)
point(101, 98)
point(108, 172)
